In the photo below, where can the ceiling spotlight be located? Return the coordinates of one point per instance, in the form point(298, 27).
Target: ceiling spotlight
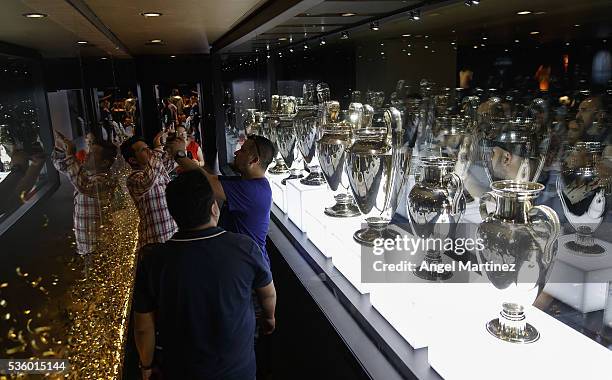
point(34, 15)
point(82, 42)
point(290, 50)
point(305, 46)
point(348, 14)
point(374, 25)
point(485, 38)
point(151, 14)
point(268, 56)
point(475, 46)
point(534, 32)
point(322, 41)
point(415, 15)
point(453, 43)
point(406, 35)
point(567, 44)
point(382, 53)
point(282, 38)
point(523, 13)
point(517, 41)
point(156, 41)
point(469, 3)
point(576, 25)
point(173, 56)
point(344, 36)
point(103, 58)
point(506, 50)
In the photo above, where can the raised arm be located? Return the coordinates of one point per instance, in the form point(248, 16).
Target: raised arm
point(187, 164)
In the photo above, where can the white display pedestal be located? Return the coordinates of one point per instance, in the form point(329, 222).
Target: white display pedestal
point(580, 281)
point(279, 191)
point(316, 222)
point(464, 349)
point(415, 309)
point(346, 252)
point(301, 197)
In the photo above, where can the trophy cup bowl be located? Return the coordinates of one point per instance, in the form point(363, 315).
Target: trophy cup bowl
point(434, 206)
point(525, 236)
point(269, 131)
point(376, 174)
point(514, 150)
point(286, 140)
point(308, 130)
point(582, 189)
point(332, 155)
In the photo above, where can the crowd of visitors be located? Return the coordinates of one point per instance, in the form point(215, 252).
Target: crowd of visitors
point(204, 288)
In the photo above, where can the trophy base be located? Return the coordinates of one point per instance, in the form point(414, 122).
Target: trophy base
point(279, 168)
point(594, 250)
point(342, 210)
point(292, 176)
point(368, 235)
point(435, 276)
point(528, 335)
point(314, 179)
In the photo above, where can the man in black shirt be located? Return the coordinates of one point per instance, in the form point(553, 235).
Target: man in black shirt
point(196, 291)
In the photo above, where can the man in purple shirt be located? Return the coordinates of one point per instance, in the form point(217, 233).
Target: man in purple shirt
point(248, 197)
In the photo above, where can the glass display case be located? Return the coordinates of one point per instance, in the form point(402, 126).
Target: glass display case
point(25, 136)
point(481, 128)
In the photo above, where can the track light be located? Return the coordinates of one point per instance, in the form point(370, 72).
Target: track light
point(344, 36)
point(375, 26)
point(322, 41)
point(469, 3)
point(415, 15)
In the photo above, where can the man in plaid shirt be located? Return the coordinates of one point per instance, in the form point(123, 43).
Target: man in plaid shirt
point(93, 187)
point(147, 186)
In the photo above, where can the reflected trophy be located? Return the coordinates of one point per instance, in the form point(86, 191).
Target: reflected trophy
point(522, 235)
point(582, 188)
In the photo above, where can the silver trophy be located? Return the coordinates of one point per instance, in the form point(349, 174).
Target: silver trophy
point(524, 236)
point(287, 146)
point(453, 138)
point(514, 150)
point(270, 122)
point(434, 206)
point(582, 188)
point(332, 155)
point(252, 122)
point(309, 130)
point(376, 172)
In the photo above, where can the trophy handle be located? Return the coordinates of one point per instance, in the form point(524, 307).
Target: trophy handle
point(454, 187)
point(484, 211)
point(554, 226)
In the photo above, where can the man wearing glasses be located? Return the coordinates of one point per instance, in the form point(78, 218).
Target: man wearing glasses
point(248, 197)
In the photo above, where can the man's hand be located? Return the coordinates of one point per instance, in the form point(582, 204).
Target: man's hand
point(267, 325)
point(176, 145)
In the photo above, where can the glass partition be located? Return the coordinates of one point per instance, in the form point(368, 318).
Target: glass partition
point(25, 142)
